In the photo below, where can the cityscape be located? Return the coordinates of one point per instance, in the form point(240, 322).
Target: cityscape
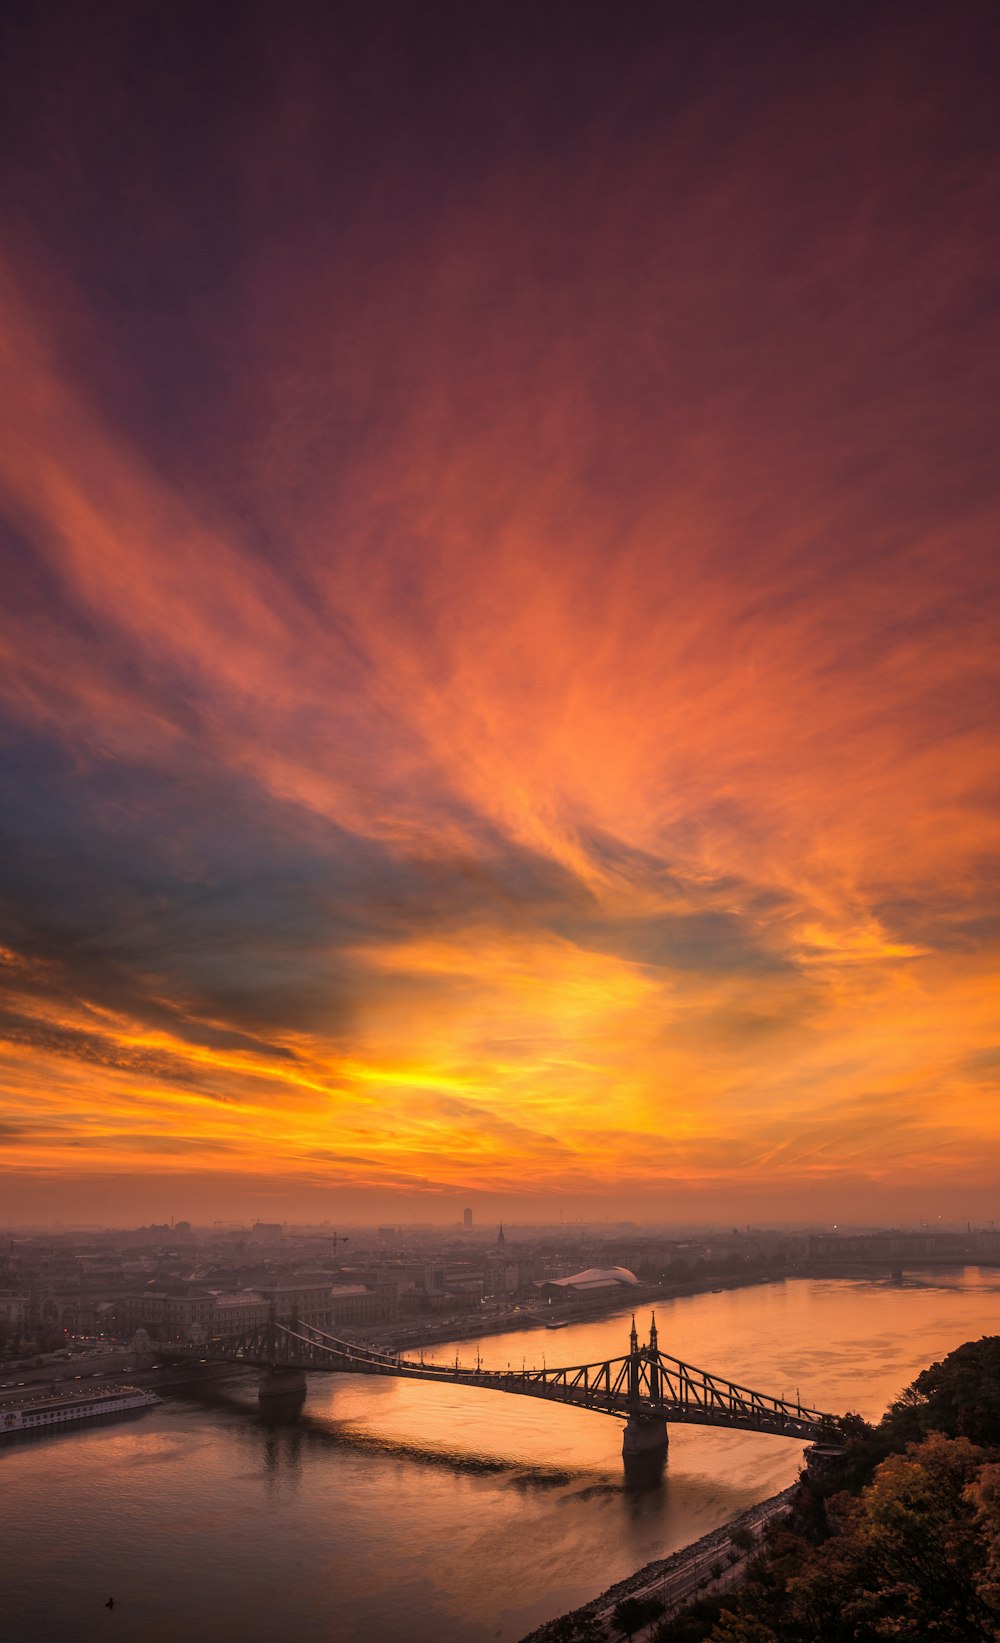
point(184, 1284)
point(208, 1336)
point(499, 824)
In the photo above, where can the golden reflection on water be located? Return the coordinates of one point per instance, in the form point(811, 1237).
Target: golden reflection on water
point(835, 1344)
point(433, 1513)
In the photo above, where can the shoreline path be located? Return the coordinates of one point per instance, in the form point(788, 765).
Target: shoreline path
point(679, 1578)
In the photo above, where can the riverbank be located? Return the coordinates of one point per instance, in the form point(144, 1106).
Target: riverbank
point(406, 1338)
point(420, 1333)
point(406, 1510)
point(713, 1564)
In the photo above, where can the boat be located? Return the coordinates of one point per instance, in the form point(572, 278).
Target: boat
point(59, 1409)
point(561, 1324)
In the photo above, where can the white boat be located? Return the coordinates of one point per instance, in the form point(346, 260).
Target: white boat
point(58, 1409)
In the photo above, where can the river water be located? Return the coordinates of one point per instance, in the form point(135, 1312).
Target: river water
point(424, 1513)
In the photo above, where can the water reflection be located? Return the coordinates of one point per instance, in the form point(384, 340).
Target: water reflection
point(436, 1513)
point(324, 1432)
point(283, 1461)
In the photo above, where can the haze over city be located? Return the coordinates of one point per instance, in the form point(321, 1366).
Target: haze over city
point(500, 614)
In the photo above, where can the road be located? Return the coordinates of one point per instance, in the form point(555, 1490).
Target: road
point(688, 1575)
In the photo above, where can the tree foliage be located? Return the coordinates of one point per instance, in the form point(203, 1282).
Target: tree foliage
point(915, 1557)
point(959, 1396)
point(633, 1613)
point(909, 1550)
point(575, 1628)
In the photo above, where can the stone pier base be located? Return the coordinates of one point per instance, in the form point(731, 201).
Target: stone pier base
point(286, 1384)
point(644, 1449)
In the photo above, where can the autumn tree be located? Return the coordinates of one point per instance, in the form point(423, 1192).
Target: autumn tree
point(959, 1396)
point(909, 1561)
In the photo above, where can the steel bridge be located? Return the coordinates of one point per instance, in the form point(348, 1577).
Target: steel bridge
point(644, 1387)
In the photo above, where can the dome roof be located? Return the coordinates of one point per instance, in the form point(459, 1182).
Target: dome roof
point(598, 1275)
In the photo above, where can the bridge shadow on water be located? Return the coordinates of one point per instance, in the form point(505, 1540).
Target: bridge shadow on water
point(285, 1433)
point(288, 1438)
point(289, 1417)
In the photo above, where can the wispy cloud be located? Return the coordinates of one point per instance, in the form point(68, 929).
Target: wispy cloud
point(499, 632)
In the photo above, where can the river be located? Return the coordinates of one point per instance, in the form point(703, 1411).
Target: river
point(422, 1513)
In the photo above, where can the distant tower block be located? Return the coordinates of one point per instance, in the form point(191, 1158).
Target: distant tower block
point(467, 1219)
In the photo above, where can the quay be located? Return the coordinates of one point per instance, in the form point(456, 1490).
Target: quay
point(678, 1579)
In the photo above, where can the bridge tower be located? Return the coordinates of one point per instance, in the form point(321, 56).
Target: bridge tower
point(654, 1362)
point(644, 1441)
point(634, 1369)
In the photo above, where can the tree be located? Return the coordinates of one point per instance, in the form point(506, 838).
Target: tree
point(632, 1613)
point(984, 1497)
point(909, 1561)
point(695, 1623)
point(959, 1396)
point(575, 1628)
point(736, 1626)
point(655, 1609)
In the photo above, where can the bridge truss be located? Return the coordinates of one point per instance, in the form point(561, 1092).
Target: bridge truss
point(643, 1383)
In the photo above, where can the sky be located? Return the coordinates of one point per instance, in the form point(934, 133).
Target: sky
point(499, 620)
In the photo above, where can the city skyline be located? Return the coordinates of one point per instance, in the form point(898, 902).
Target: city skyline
point(500, 620)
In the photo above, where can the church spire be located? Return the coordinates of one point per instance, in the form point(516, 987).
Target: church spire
point(501, 1240)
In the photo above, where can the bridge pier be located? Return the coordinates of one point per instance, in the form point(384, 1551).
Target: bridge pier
point(644, 1448)
point(287, 1385)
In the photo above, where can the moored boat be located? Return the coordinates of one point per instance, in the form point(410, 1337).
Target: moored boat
point(60, 1409)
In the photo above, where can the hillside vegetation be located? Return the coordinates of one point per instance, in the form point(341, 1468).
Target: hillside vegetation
point(908, 1549)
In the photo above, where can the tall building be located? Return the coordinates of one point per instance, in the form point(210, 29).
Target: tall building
point(467, 1220)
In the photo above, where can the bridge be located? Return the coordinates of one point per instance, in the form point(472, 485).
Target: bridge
point(645, 1388)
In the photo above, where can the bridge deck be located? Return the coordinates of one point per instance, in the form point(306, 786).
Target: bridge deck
point(644, 1383)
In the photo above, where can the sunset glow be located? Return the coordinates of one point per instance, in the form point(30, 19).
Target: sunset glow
point(499, 636)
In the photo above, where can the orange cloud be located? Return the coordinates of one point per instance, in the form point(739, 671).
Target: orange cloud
point(511, 704)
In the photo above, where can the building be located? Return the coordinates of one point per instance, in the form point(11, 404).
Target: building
point(306, 1299)
point(14, 1310)
point(238, 1311)
point(325, 1305)
point(894, 1246)
point(168, 1311)
point(503, 1274)
point(595, 1284)
point(356, 1304)
point(467, 1220)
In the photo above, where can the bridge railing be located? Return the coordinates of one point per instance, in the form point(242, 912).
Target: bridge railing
point(643, 1379)
point(686, 1385)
